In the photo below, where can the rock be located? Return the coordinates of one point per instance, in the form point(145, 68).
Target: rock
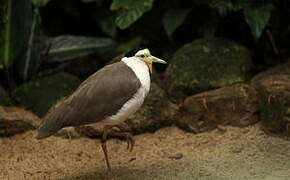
point(157, 111)
point(4, 98)
point(206, 64)
point(274, 98)
point(15, 120)
point(278, 69)
point(39, 95)
point(233, 105)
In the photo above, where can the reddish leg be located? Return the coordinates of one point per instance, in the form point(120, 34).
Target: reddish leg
point(104, 145)
point(128, 136)
point(106, 133)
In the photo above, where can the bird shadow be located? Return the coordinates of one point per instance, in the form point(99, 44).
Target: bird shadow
point(119, 173)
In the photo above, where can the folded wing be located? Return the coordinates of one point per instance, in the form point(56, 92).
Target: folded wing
point(98, 97)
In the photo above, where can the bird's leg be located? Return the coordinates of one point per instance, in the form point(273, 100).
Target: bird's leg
point(106, 133)
point(104, 145)
point(126, 132)
point(128, 136)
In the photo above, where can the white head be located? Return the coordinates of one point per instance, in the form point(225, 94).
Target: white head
point(144, 55)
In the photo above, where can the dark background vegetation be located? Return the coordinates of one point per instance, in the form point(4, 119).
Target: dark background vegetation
point(42, 37)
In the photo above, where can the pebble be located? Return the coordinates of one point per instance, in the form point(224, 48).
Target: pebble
point(237, 149)
point(176, 156)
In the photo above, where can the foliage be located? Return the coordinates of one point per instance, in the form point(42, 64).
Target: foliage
point(131, 11)
point(174, 18)
point(225, 6)
point(68, 47)
point(38, 36)
point(40, 3)
point(258, 18)
point(256, 14)
point(14, 30)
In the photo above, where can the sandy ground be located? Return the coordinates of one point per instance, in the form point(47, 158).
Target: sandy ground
point(169, 153)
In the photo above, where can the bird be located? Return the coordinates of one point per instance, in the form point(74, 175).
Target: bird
point(109, 97)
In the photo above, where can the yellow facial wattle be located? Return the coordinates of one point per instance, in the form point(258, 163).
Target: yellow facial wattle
point(148, 62)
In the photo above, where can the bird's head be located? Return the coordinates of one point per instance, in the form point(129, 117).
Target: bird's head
point(144, 55)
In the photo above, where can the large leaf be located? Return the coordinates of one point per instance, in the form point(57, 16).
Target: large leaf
point(173, 18)
point(130, 11)
point(89, 1)
point(40, 3)
point(70, 47)
point(14, 30)
point(258, 18)
point(224, 6)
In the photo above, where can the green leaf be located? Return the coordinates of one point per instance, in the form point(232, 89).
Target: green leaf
point(119, 4)
point(89, 1)
point(258, 18)
point(14, 30)
point(224, 6)
point(173, 18)
point(70, 47)
point(40, 3)
point(130, 11)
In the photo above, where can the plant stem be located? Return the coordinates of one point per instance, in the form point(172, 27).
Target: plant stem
point(272, 41)
point(30, 43)
point(7, 37)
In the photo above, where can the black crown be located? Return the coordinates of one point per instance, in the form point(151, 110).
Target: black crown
point(132, 52)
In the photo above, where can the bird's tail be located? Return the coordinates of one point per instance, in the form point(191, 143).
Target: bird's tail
point(52, 122)
point(42, 134)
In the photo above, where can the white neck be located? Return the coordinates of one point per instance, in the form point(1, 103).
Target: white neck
point(140, 69)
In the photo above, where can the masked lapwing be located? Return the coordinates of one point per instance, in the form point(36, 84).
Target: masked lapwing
point(109, 97)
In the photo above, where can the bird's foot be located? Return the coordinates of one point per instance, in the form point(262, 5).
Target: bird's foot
point(128, 136)
point(130, 142)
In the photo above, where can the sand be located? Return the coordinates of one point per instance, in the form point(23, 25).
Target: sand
point(169, 153)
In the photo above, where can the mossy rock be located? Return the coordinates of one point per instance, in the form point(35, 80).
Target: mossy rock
point(16, 120)
point(157, 111)
point(273, 86)
point(4, 98)
point(280, 69)
point(235, 105)
point(207, 64)
point(274, 100)
point(39, 95)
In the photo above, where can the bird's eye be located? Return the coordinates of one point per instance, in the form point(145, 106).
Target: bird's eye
point(142, 56)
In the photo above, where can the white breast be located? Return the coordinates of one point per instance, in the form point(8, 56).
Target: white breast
point(142, 72)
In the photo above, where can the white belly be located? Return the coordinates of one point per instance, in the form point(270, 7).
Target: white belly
point(141, 71)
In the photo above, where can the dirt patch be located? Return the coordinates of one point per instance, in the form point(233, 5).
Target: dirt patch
point(169, 153)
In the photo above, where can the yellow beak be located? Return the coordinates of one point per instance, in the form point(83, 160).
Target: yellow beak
point(157, 60)
point(152, 59)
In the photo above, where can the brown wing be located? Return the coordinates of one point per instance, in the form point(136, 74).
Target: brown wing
point(99, 96)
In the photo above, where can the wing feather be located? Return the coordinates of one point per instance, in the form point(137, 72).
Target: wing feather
point(99, 96)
